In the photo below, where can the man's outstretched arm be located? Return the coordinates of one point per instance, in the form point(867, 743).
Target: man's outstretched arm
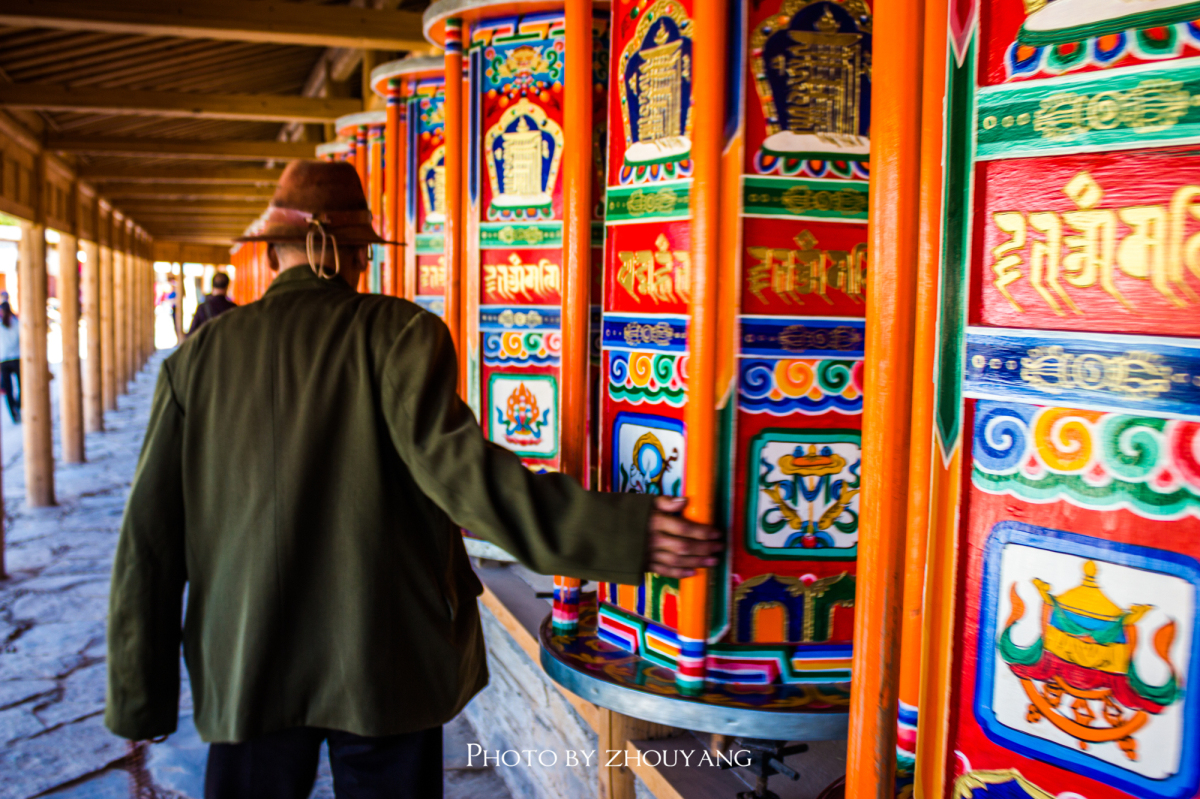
point(149, 572)
point(548, 522)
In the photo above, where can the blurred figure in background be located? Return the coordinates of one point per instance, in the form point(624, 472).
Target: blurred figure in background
point(216, 304)
point(10, 357)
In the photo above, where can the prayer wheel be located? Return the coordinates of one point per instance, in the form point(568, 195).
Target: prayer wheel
point(1066, 436)
point(519, 209)
point(415, 145)
point(334, 151)
point(364, 133)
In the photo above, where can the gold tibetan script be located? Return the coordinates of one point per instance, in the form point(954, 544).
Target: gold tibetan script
point(659, 86)
point(824, 70)
point(515, 279)
point(1086, 247)
point(663, 275)
point(434, 276)
point(790, 274)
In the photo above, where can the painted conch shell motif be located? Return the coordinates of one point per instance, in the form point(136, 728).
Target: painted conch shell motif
point(1080, 675)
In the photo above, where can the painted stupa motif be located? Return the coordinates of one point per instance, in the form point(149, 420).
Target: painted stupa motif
point(1080, 674)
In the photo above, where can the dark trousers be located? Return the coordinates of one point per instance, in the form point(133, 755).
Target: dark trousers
point(283, 765)
point(8, 371)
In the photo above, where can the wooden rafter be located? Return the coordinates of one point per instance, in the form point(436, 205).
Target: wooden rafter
point(270, 108)
point(312, 25)
point(213, 149)
point(233, 192)
point(204, 174)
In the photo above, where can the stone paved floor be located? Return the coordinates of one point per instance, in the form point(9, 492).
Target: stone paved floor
point(53, 741)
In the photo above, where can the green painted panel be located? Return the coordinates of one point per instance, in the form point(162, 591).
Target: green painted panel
point(430, 244)
point(643, 203)
point(1132, 108)
point(505, 235)
point(841, 200)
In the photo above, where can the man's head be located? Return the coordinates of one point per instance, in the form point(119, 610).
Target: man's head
point(220, 284)
point(319, 216)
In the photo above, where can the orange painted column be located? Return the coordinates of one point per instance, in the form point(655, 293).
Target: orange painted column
point(455, 216)
point(361, 154)
point(375, 199)
point(887, 407)
point(577, 267)
point(920, 462)
point(700, 416)
point(395, 153)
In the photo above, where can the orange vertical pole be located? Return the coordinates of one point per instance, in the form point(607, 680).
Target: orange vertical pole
point(577, 257)
point(395, 153)
point(361, 155)
point(700, 416)
point(454, 183)
point(375, 198)
point(924, 357)
point(887, 408)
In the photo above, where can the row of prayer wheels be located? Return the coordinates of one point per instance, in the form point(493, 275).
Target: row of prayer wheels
point(657, 290)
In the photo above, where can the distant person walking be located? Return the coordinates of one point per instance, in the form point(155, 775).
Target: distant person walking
point(216, 304)
point(10, 357)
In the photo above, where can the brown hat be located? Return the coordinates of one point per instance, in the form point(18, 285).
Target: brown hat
point(321, 199)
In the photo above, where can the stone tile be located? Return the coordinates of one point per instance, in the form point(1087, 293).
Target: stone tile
point(50, 608)
point(18, 722)
point(29, 555)
point(58, 638)
point(37, 764)
point(82, 696)
point(476, 784)
point(14, 692)
point(111, 784)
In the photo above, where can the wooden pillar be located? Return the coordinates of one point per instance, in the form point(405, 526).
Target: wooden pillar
point(887, 408)
point(93, 393)
point(616, 731)
point(70, 409)
point(35, 370)
point(119, 291)
point(108, 326)
point(130, 307)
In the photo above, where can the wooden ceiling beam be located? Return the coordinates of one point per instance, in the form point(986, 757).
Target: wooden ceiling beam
point(231, 20)
point(233, 192)
point(106, 53)
point(211, 149)
point(268, 108)
point(187, 252)
point(182, 58)
point(135, 206)
point(197, 174)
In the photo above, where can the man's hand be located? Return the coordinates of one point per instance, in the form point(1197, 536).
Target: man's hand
point(676, 546)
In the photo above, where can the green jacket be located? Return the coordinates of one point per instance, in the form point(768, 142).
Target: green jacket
point(305, 472)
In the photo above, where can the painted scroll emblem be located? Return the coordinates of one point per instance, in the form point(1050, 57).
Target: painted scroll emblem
point(523, 414)
point(649, 455)
point(524, 149)
point(805, 498)
point(812, 68)
point(656, 93)
point(1086, 645)
point(433, 186)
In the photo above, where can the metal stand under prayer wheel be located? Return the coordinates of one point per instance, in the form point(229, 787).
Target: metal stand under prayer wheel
point(734, 255)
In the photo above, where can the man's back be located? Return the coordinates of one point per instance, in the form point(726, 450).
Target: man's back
point(310, 441)
point(210, 309)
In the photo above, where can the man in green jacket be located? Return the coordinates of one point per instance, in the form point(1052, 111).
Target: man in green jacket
point(306, 471)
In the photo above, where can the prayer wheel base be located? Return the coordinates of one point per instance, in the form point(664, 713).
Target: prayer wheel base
point(624, 682)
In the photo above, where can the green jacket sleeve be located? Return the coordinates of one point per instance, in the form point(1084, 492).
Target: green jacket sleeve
point(548, 521)
point(149, 572)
